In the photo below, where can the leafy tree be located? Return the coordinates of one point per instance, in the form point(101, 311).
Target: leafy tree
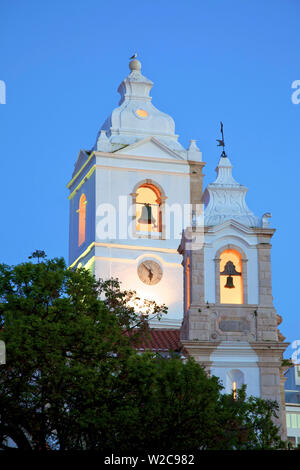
point(74, 379)
point(61, 344)
point(247, 423)
point(174, 406)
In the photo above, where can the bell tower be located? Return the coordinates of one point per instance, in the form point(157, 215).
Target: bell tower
point(130, 199)
point(230, 323)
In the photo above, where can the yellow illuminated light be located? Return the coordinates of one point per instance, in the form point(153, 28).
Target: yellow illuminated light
point(234, 295)
point(148, 194)
point(141, 305)
point(90, 265)
point(188, 299)
point(81, 222)
point(142, 113)
point(80, 170)
point(234, 388)
point(84, 179)
point(125, 247)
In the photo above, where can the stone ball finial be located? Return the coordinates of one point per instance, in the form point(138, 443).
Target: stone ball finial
point(135, 65)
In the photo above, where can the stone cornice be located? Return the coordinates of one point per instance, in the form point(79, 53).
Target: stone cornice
point(83, 180)
point(116, 155)
point(240, 227)
point(125, 247)
point(153, 140)
point(80, 170)
point(208, 347)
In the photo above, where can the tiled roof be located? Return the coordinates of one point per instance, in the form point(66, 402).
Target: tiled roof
point(161, 340)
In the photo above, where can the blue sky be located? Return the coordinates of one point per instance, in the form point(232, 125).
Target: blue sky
point(211, 60)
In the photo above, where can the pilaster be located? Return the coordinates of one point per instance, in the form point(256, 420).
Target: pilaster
point(264, 270)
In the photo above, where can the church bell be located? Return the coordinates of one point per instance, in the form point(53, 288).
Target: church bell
point(146, 215)
point(230, 271)
point(229, 282)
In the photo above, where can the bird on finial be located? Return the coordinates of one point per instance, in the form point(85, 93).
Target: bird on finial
point(134, 56)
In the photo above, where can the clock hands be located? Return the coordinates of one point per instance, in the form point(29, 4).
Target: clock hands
point(150, 275)
point(149, 272)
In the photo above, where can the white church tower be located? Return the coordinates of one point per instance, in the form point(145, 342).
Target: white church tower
point(230, 323)
point(130, 196)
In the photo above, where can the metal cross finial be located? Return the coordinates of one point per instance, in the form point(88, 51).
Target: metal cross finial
point(221, 141)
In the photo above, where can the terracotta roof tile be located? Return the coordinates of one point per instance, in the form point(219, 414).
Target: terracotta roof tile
point(162, 340)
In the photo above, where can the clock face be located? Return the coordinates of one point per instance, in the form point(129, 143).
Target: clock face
point(150, 272)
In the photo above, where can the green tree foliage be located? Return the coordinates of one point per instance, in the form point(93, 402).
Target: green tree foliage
point(74, 380)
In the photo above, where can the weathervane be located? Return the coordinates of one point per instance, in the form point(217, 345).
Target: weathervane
point(221, 141)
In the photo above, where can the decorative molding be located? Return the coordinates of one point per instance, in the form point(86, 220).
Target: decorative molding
point(119, 156)
point(135, 260)
point(84, 179)
point(124, 127)
point(125, 247)
point(175, 155)
point(140, 170)
point(225, 199)
point(80, 170)
point(255, 231)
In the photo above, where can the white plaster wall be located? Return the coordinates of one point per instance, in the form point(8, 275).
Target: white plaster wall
point(112, 183)
point(122, 262)
point(236, 355)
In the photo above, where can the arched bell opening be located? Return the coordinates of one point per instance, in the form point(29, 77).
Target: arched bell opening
point(148, 208)
point(231, 277)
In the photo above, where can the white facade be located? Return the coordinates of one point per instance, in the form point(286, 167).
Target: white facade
point(132, 150)
point(233, 361)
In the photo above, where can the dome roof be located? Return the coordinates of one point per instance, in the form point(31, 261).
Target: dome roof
point(225, 199)
point(136, 118)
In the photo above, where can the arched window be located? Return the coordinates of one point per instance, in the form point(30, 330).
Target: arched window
point(148, 208)
point(82, 217)
point(231, 277)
